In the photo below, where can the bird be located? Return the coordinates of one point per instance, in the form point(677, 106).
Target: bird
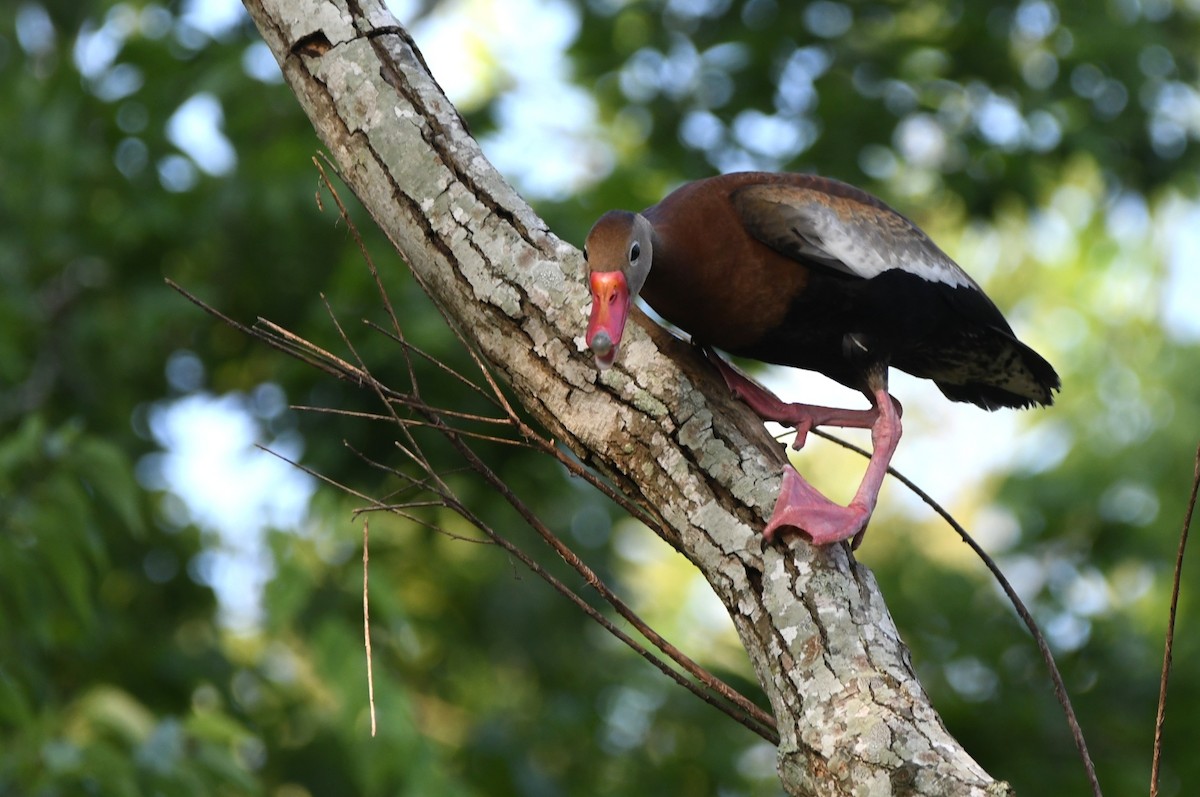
point(810, 272)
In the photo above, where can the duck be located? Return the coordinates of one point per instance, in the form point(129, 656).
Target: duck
point(810, 272)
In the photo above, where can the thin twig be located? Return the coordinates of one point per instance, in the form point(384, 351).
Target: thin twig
point(413, 423)
point(367, 623)
point(375, 504)
point(362, 248)
point(405, 402)
point(434, 361)
point(1156, 758)
point(1060, 689)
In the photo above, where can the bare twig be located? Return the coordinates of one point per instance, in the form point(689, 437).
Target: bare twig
point(367, 622)
point(1060, 689)
point(362, 248)
point(434, 361)
point(1156, 758)
point(417, 424)
point(375, 416)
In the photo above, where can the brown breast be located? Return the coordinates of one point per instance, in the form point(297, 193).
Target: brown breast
point(710, 277)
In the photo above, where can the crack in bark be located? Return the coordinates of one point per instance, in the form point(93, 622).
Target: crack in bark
point(392, 77)
point(314, 45)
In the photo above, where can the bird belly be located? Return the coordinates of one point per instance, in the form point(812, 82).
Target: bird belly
point(952, 335)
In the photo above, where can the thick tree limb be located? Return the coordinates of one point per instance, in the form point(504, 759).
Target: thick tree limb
point(852, 716)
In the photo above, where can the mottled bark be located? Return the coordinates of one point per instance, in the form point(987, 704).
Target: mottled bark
point(852, 716)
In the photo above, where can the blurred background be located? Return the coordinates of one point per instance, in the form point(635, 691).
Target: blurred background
point(180, 613)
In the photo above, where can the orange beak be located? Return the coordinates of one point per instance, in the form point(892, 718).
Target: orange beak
point(610, 306)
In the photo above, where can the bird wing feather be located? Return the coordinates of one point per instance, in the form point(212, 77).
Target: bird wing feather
point(850, 232)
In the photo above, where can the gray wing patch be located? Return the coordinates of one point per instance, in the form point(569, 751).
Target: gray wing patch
point(841, 233)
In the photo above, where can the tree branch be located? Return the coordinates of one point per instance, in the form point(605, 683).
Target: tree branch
point(851, 714)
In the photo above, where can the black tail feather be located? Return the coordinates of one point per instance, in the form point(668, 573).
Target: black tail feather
point(1027, 380)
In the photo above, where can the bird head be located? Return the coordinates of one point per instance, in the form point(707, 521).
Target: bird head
point(619, 249)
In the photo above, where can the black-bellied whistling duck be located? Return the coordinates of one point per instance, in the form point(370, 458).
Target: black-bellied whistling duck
point(805, 271)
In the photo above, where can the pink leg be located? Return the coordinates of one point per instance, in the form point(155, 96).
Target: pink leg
point(801, 507)
point(802, 417)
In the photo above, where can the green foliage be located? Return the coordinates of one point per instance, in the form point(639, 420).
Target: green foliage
point(1017, 133)
point(96, 678)
point(982, 101)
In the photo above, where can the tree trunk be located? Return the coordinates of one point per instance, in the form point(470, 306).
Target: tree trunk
point(852, 717)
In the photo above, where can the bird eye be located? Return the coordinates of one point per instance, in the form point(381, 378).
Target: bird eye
point(634, 252)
